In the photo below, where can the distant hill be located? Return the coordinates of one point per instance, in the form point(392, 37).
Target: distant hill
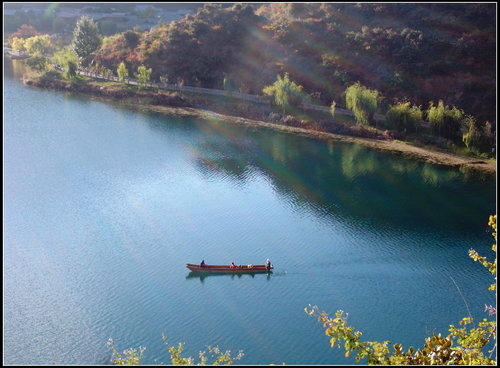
point(421, 52)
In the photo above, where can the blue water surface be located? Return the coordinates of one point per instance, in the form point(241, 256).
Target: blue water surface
point(104, 205)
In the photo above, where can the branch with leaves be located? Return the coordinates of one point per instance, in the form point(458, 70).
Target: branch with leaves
point(464, 345)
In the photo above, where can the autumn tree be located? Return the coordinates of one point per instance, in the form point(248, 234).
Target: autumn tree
point(38, 45)
point(24, 31)
point(135, 356)
point(17, 44)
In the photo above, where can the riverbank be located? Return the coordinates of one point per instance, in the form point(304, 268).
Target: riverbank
point(176, 104)
point(394, 146)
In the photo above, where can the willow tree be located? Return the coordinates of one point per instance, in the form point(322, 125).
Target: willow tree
point(363, 102)
point(445, 120)
point(404, 116)
point(86, 37)
point(286, 93)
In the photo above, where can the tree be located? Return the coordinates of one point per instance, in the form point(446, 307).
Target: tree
point(461, 346)
point(143, 76)
point(404, 116)
point(37, 62)
point(86, 37)
point(287, 94)
point(472, 134)
point(17, 44)
point(24, 31)
point(71, 68)
point(37, 45)
point(332, 108)
point(134, 356)
point(363, 102)
point(445, 120)
point(122, 71)
point(132, 38)
point(66, 59)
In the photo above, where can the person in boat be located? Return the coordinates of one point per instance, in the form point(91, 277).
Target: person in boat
point(268, 264)
point(202, 263)
point(233, 265)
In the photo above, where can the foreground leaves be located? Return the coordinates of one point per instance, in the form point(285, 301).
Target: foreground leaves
point(466, 345)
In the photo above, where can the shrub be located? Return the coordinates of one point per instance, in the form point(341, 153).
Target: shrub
point(404, 117)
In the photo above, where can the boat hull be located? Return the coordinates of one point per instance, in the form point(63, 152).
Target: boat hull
point(228, 269)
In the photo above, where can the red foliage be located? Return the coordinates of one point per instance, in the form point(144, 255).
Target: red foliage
point(25, 31)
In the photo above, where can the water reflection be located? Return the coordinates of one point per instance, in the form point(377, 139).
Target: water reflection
point(202, 276)
point(14, 68)
point(344, 180)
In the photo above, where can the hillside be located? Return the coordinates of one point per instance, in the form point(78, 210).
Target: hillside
point(420, 52)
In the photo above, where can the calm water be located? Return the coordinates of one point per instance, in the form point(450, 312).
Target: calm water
point(103, 206)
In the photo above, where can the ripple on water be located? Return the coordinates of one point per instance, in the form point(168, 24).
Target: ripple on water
point(102, 214)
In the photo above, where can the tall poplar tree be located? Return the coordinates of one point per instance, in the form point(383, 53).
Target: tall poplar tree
point(122, 72)
point(86, 37)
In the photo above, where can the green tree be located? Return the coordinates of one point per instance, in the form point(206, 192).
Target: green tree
point(287, 94)
point(363, 102)
point(70, 69)
point(463, 345)
point(37, 62)
point(134, 356)
point(86, 37)
point(64, 54)
point(38, 45)
point(404, 116)
point(445, 120)
point(143, 76)
point(132, 38)
point(122, 72)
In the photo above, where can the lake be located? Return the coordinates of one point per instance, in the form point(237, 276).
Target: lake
point(104, 205)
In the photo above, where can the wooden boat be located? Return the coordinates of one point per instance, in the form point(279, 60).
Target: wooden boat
point(228, 269)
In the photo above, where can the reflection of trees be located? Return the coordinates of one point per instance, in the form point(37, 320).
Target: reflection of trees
point(339, 180)
point(223, 159)
point(17, 68)
point(356, 160)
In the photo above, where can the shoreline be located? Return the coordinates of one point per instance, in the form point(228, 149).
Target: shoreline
point(395, 147)
point(181, 108)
